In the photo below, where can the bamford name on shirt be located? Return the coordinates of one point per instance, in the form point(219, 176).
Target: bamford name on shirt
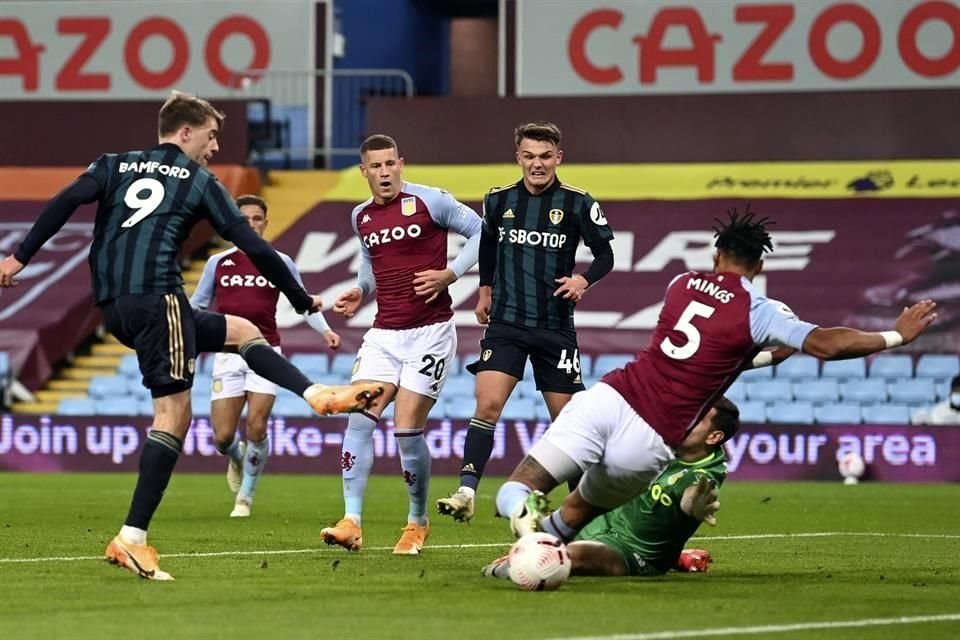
point(154, 167)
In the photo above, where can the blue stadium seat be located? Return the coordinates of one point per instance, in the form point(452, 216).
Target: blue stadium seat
point(145, 406)
point(798, 366)
point(846, 369)
point(312, 364)
point(816, 390)
point(108, 387)
point(737, 391)
point(4, 365)
point(540, 410)
point(526, 389)
point(129, 366)
point(290, 406)
point(886, 414)
point(125, 406)
point(205, 364)
point(137, 390)
point(586, 365)
point(459, 386)
point(790, 413)
point(76, 407)
point(912, 390)
point(609, 361)
point(519, 409)
point(467, 360)
point(891, 366)
point(754, 412)
point(202, 382)
point(942, 387)
point(770, 390)
point(343, 363)
point(459, 407)
point(837, 413)
point(762, 373)
point(864, 391)
point(933, 365)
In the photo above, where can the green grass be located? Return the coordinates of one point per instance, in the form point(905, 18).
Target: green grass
point(327, 593)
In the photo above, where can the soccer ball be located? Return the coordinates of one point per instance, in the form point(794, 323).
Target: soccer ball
point(539, 562)
point(852, 468)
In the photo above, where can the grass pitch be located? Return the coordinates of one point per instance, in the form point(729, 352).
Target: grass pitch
point(809, 560)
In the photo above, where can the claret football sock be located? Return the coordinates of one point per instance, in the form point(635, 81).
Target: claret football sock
point(415, 461)
point(476, 452)
point(274, 367)
point(356, 461)
point(157, 460)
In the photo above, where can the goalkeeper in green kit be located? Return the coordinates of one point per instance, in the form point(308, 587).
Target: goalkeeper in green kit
point(646, 536)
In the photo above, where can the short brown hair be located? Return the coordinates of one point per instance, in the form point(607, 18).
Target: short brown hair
point(540, 131)
point(726, 419)
point(249, 198)
point(182, 109)
point(378, 142)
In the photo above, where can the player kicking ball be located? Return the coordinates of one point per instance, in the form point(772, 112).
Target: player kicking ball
point(646, 536)
point(235, 285)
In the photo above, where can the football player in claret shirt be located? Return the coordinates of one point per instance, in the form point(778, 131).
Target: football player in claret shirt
point(646, 536)
point(622, 432)
point(233, 284)
point(148, 202)
point(528, 291)
point(403, 232)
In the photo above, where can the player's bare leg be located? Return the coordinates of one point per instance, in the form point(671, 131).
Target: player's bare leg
point(356, 462)
point(410, 416)
point(591, 558)
point(224, 417)
point(263, 360)
point(257, 450)
point(493, 389)
point(129, 548)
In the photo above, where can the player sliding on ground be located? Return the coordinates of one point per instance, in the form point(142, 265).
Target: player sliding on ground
point(622, 432)
point(148, 202)
point(645, 536)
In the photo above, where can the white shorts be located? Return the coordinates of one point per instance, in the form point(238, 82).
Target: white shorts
point(233, 377)
point(416, 359)
point(617, 451)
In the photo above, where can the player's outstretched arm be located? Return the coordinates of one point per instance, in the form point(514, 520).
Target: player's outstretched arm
point(203, 295)
point(839, 343)
point(266, 259)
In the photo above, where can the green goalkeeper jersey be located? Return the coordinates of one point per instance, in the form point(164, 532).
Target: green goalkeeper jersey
point(651, 530)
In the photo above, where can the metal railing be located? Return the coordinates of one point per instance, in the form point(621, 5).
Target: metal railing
point(312, 118)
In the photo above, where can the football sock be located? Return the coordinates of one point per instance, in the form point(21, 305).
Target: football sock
point(476, 452)
point(510, 496)
point(157, 460)
point(554, 525)
point(274, 367)
point(253, 463)
point(356, 461)
point(415, 461)
point(232, 450)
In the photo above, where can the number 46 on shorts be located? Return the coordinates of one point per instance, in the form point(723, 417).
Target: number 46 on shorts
point(569, 364)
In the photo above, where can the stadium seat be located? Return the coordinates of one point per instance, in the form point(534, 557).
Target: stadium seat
point(467, 360)
point(790, 413)
point(910, 390)
point(890, 366)
point(125, 406)
point(145, 406)
point(837, 413)
point(76, 407)
point(770, 390)
point(290, 406)
point(737, 391)
point(754, 412)
point(437, 411)
point(4, 365)
point(846, 369)
point(459, 407)
point(519, 409)
point(343, 364)
point(609, 361)
point(816, 390)
point(129, 366)
point(540, 410)
point(459, 386)
point(108, 387)
point(886, 414)
point(932, 365)
point(205, 363)
point(526, 389)
point(762, 373)
point(798, 366)
point(312, 364)
point(864, 391)
point(942, 387)
point(137, 390)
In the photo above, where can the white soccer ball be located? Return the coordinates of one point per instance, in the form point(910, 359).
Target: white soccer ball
point(851, 466)
point(539, 562)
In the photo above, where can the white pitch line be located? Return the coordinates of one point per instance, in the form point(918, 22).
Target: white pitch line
point(772, 628)
point(281, 552)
